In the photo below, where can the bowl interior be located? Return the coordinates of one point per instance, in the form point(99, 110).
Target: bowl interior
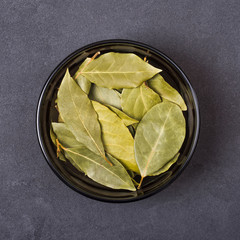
point(47, 113)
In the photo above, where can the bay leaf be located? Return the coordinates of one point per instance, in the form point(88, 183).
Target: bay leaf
point(83, 83)
point(119, 70)
point(65, 136)
point(159, 136)
point(62, 157)
point(125, 118)
point(56, 107)
point(78, 113)
point(53, 138)
point(60, 120)
point(105, 96)
point(137, 101)
point(117, 139)
point(160, 86)
point(166, 166)
point(67, 139)
point(100, 171)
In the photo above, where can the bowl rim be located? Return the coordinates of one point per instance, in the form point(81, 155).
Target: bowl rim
point(137, 44)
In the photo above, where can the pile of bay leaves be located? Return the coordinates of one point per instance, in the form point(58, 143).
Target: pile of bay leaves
point(118, 118)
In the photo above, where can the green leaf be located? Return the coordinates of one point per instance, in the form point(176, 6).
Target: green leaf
point(84, 84)
point(62, 157)
point(159, 137)
point(53, 138)
point(60, 120)
point(117, 139)
point(137, 101)
point(126, 119)
point(160, 86)
point(119, 70)
point(105, 96)
point(65, 136)
point(99, 170)
point(79, 115)
point(167, 165)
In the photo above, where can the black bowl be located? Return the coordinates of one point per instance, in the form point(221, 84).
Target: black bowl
point(46, 113)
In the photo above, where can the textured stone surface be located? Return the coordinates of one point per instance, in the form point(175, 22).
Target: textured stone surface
point(202, 37)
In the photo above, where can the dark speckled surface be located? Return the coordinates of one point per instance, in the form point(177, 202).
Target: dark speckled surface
point(202, 37)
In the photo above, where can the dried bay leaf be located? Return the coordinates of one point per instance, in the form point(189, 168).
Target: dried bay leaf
point(60, 120)
point(159, 136)
point(77, 112)
point(83, 83)
point(137, 101)
point(67, 139)
point(65, 136)
point(166, 166)
point(62, 157)
point(53, 138)
point(160, 86)
point(92, 164)
point(59, 134)
point(105, 96)
point(116, 137)
point(119, 70)
point(56, 106)
point(125, 118)
point(99, 170)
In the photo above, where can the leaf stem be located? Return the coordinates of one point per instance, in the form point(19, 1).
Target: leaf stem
point(145, 58)
point(139, 186)
point(108, 161)
point(58, 147)
point(94, 56)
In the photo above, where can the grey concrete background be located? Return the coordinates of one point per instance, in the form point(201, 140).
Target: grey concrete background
point(202, 37)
